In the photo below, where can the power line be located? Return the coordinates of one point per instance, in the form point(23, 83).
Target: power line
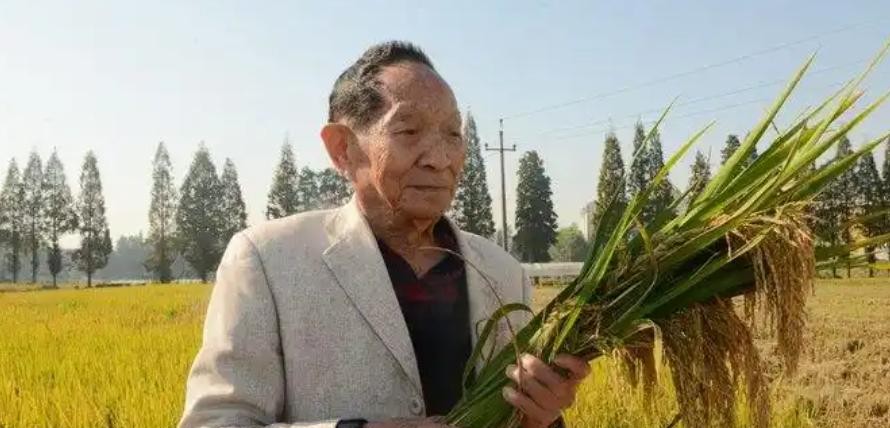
point(699, 69)
point(701, 99)
point(695, 113)
point(690, 114)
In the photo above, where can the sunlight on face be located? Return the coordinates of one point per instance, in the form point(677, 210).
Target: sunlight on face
point(415, 152)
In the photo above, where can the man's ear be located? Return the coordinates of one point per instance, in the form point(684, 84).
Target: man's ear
point(336, 138)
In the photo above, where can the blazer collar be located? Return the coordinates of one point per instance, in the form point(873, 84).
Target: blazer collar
point(356, 262)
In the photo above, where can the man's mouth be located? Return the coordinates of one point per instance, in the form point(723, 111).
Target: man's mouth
point(429, 188)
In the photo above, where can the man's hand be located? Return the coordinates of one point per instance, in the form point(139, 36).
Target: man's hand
point(431, 422)
point(543, 393)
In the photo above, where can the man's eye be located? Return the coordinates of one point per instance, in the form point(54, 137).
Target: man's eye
point(409, 131)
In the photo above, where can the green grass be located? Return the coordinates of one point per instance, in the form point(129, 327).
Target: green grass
point(119, 357)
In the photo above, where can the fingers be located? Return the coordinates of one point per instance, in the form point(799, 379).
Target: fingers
point(577, 367)
point(543, 393)
point(541, 371)
point(529, 408)
point(539, 393)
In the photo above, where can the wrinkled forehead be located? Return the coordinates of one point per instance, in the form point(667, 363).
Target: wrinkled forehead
point(410, 85)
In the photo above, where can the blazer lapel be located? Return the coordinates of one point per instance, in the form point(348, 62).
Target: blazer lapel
point(480, 289)
point(355, 260)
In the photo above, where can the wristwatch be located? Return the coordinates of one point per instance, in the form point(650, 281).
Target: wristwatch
point(352, 423)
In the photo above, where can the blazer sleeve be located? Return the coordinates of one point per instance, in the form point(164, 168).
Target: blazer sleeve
point(237, 378)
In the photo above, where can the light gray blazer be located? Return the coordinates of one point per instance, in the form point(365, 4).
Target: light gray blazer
point(304, 329)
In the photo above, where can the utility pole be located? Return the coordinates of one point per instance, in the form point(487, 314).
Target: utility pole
point(501, 151)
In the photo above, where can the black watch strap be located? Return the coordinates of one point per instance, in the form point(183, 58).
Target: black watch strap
point(352, 423)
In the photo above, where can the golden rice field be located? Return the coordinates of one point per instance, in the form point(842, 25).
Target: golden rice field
point(117, 357)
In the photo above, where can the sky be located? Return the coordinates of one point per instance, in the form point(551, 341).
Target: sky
point(118, 77)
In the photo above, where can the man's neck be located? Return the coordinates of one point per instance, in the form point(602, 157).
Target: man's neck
point(406, 236)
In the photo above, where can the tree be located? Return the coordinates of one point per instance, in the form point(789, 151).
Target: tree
point(472, 202)
point(199, 216)
point(333, 189)
point(233, 209)
point(283, 197)
point(161, 218)
point(570, 245)
point(535, 218)
point(307, 190)
point(610, 190)
point(701, 174)
point(885, 189)
point(841, 201)
point(127, 261)
point(32, 186)
point(869, 201)
point(823, 222)
point(661, 199)
point(733, 144)
point(638, 177)
point(95, 238)
point(59, 216)
point(12, 218)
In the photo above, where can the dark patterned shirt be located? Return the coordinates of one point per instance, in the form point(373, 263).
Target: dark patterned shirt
point(436, 310)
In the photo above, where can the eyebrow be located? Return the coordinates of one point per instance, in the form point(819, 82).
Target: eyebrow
point(402, 113)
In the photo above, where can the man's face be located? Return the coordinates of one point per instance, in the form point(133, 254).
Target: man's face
point(410, 159)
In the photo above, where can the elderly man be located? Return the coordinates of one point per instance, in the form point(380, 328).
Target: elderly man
point(363, 316)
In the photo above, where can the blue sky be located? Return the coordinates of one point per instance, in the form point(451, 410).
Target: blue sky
point(117, 77)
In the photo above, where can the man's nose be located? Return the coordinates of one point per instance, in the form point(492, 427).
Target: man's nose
point(436, 155)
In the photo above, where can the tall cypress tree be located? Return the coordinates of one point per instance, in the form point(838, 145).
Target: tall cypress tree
point(199, 216)
point(333, 189)
point(662, 198)
point(611, 188)
point(234, 211)
point(472, 202)
point(638, 177)
point(95, 238)
point(12, 218)
point(823, 221)
point(307, 190)
point(283, 197)
point(701, 175)
point(732, 144)
point(161, 218)
point(647, 162)
point(535, 218)
point(869, 200)
point(885, 189)
point(59, 216)
point(32, 185)
point(842, 202)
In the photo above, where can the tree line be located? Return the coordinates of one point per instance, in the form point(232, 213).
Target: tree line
point(37, 209)
point(191, 222)
point(852, 206)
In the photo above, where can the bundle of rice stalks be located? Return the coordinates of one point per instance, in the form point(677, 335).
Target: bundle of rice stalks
point(746, 234)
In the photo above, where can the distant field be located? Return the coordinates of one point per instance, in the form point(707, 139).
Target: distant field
point(117, 357)
point(111, 357)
